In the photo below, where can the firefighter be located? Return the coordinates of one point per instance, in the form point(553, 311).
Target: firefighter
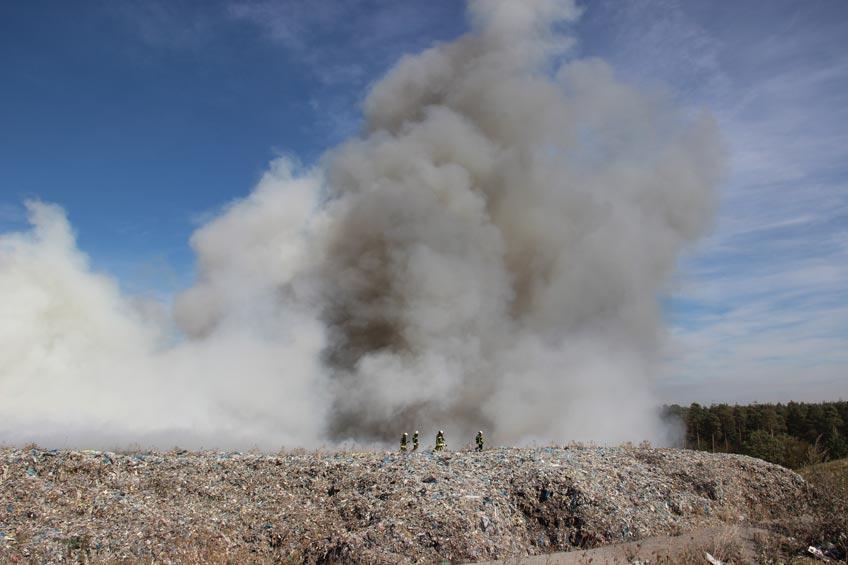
point(479, 441)
point(415, 441)
point(440, 441)
point(403, 442)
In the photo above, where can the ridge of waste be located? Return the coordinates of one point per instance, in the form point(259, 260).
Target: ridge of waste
point(377, 507)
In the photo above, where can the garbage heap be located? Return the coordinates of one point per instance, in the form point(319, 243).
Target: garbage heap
point(372, 507)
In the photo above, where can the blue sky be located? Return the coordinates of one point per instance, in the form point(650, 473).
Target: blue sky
point(142, 119)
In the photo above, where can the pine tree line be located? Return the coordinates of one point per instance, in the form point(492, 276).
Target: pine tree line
point(794, 434)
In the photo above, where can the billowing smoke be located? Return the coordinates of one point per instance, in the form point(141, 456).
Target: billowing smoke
point(488, 254)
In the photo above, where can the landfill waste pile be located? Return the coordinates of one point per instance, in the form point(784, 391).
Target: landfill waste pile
point(374, 507)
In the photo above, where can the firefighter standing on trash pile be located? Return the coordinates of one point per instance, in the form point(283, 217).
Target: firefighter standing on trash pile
point(415, 441)
point(440, 441)
point(479, 441)
point(403, 442)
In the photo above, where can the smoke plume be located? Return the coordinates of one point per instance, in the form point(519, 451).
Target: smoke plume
point(487, 254)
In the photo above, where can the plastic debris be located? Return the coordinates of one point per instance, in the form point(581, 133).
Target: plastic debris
point(375, 507)
point(712, 559)
point(817, 553)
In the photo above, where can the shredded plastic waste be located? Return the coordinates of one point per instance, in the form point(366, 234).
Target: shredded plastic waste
point(374, 507)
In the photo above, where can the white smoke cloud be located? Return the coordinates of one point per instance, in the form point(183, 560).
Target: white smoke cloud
point(81, 365)
point(488, 254)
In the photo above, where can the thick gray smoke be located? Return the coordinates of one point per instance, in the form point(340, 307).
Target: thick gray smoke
point(488, 254)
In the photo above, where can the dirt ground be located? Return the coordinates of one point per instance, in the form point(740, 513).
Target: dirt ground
point(726, 544)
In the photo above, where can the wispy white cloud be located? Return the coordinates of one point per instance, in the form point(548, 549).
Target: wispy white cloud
point(342, 42)
point(169, 25)
point(761, 309)
point(345, 45)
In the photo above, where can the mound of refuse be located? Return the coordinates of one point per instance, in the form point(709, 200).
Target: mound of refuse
point(373, 506)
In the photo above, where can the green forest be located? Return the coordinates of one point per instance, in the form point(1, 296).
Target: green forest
point(793, 435)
